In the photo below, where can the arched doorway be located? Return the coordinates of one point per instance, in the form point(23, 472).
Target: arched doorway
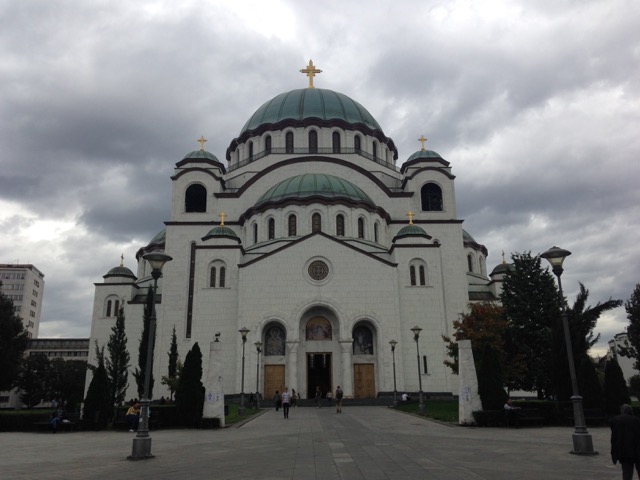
point(364, 371)
point(319, 359)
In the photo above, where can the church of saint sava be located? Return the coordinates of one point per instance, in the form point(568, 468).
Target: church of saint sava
point(319, 243)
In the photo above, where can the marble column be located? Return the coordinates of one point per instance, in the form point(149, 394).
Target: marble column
point(291, 374)
point(469, 399)
point(214, 392)
point(346, 347)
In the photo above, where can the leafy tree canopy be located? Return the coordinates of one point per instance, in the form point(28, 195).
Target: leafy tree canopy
point(13, 343)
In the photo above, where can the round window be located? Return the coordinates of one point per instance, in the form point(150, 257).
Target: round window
point(318, 270)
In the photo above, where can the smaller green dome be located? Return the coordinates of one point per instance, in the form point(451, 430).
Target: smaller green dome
point(220, 231)
point(120, 271)
point(411, 231)
point(502, 269)
point(314, 184)
point(424, 154)
point(200, 155)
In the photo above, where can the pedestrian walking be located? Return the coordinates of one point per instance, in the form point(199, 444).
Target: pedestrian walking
point(625, 441)
point(277, 400)
point(318, 397)
point(339, 395)
point(286, 402)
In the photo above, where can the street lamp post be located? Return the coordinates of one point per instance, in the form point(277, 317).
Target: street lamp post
point(258, 345)
point(582, 442)
point(142, 442)
point(416, 335)
point(393, 344)
point(243, 331)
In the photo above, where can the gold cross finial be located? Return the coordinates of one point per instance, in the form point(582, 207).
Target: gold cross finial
point(311, 71)
point(422, 140)
point(122, 259)
point(201, 141)
point(410, 214)
point(503, 260)
point(222, 217)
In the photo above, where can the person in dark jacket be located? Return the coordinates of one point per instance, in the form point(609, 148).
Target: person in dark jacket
point(625, 441)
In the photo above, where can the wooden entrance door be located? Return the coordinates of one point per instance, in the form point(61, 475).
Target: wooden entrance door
point(273, 380)
point(364, 382)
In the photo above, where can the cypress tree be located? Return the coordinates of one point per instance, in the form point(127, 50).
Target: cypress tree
point(588, 383)
point(490, 382)
point(117, 365)
point(616, 392)
point(98, 408)
point(172, 369)
point(139, 372)
point(190, 391)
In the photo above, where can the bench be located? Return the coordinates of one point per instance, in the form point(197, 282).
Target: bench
point(592, 416)
point(515, 418)
point(68, 424)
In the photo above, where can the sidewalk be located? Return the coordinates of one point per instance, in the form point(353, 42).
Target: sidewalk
point(361, 443)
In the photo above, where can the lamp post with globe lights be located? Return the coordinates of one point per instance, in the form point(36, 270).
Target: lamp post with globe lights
point(258, 345)
point(582, 442)
point(142, 442)
point(243, 332)
point(416, 336)
point(393, 344)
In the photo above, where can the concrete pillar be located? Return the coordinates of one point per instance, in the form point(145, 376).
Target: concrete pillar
point(292, 366)
point(214, 391)
point(469, 400)
point(346, 347)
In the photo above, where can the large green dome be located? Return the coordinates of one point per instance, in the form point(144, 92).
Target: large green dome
point(314, 184)
point(308, 103)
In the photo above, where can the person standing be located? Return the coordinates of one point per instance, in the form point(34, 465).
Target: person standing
point(294, 398)
point(625, 441)
point(318, 397)
point(339, 395)
point(286, 402)
point(277, 400)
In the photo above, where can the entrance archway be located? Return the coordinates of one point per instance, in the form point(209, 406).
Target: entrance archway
point(318, 373)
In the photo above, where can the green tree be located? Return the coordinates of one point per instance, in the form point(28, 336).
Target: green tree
point(632, 306)
point(588, 382)
point(66, 380)
point(634, 386)
point(485, 324)
point(582, 321)
point(117, 364)
point(33, 379)
point(13, 343)
point(531, 304)
point(490, 382)
point(190, 391)
point(139, 372)
point(171, 380)
point(98, 409)
point(615, 388)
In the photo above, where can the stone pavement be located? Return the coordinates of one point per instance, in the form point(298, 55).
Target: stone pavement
point(361, 443)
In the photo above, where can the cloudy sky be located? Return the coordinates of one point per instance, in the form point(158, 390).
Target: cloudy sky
point(536, 104)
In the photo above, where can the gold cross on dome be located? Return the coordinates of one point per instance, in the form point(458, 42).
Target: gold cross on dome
point(222, 217)
point(503, 260)
point(311, 71)
point(122, 259)
point(422, 140)
point(201, 141)
point(410, 214)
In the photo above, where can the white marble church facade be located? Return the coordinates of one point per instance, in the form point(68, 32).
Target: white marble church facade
point(312, 237)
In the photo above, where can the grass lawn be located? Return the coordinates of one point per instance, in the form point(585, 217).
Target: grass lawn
point(444, 411)
point(234, 417)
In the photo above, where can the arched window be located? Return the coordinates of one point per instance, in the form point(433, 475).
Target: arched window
point(356, 143)
point(116, 309)
point(423, 279)
point(195, 199)
point(212, 277)
point(316, 223)
point(272, 229)
point(335, 138)
point(375, 150)
point(361, 228)
point(313, 141)
point(250, 151)
point(375, 232)
point(288, 142)
point(293, 226)
point(255, 233)
point(362, 340)
point(223, 272)
point(470, 262)
point(267, 144)
point(340, 225)
point(431, 196)
point(412, 274)
point(274, 340)
point(108, 308)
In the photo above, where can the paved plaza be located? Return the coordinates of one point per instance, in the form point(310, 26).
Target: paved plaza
point(362, 443)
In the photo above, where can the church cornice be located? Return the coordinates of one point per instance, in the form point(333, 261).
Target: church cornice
point(414, 245)
point(322, 234)
point(205, 161)
point(418, 161)
point(425, 169)
point(201, 170)
point(299, 160)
